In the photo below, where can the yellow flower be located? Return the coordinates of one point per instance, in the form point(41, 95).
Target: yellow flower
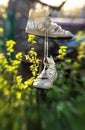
point(10, 68)
point(31, 38)
point(80, 56)
point(10, 50)
point(1, 30)
point(32, 58)
point(34, 42)
point(19, 79)
point(63, 47)
point(19, 56)
point(60, 56)
point(81, 51)
point(10, 44)
point(27, 57)
point(62, 52)
point(31, 35)
point(18, 95)
point(15, 62)
point(33, 49)
point(79, 35)
point(1, 34)
point(29, 82)
point(7, 92)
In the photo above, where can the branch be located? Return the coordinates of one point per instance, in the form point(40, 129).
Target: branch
point(58, 8)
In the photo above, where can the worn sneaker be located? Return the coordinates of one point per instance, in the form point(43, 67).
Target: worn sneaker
point(48, 75)
point(38, 24)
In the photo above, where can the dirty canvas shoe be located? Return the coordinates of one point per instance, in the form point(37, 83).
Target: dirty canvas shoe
point(48, 75)
point(39, 22)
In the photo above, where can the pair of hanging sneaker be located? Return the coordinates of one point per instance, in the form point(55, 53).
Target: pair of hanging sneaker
point(39, 22)
point(48, 75)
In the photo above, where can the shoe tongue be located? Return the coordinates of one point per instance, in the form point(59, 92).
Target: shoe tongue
point(43, 23)
point(47, 20)
point(50, 60)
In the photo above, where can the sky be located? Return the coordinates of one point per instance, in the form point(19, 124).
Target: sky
point(3, 2)
point(70, 4)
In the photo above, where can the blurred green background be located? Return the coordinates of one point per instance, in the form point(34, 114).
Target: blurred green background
point(25, 108)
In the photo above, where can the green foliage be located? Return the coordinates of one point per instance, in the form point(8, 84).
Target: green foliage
point(25, 108)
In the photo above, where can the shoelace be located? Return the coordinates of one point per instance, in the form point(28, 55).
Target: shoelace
point(46, 45)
